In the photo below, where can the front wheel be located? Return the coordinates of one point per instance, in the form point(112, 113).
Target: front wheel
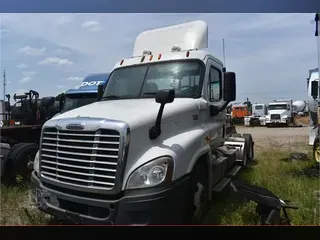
point(198, 203)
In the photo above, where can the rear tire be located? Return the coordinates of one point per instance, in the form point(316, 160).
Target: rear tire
point(250, 144)
point(18, 160)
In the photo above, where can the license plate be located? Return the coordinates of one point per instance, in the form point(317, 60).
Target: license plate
point(41, 196)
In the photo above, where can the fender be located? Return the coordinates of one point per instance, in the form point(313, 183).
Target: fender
point(185, 149)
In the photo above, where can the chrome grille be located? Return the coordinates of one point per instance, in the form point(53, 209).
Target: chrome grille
point(81, 158)
point(275, 116)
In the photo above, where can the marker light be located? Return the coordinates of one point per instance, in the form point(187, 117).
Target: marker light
point(159, 56)
point(121, 62)
point(142, 59)
point(188, 53)
point(175, 49)
point(146, 52)
point(150, 58)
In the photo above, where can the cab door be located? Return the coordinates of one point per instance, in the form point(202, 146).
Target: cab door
point(216, 124)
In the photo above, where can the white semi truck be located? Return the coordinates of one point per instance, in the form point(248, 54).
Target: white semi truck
point(313, 105)
point(258, 116)
point(279, 113)
point(150, 151)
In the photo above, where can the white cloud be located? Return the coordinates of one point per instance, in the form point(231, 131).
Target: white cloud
point(20, 91)
point(63, 20)
point(92, 26)
point(29, 73)
point(74, 78)
point(4, 33)
point(32, 51)
point(22, 66)
point(25, 79)
point(55, 61)
point(61, 51)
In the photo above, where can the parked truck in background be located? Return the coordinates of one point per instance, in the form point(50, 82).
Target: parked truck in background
point(20, 133)
point(85, 94)
point(300, 108)
point(150, 151)
point(257, 118)
point(279, 113)
point(239, 112)
point(314, 114)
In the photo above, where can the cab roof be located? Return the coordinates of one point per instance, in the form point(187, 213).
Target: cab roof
point(90, 84)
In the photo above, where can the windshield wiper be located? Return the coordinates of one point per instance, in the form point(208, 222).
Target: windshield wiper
point(111, 97)
point(149, 93)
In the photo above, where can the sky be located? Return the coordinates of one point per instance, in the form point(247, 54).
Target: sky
point(271, 54)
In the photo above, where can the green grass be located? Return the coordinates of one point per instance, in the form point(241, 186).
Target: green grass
point(228, 208)
point(281, 178)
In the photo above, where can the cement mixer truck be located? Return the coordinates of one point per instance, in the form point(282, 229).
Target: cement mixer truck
point(300, 108)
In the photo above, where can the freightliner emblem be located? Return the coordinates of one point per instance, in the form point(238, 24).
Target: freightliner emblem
point(75, 126)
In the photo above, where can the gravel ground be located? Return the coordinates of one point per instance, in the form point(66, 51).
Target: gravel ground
point(288, 138)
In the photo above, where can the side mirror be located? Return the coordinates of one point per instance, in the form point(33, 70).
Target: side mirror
point(314, 89)
point(229, 87)
point(100, 92)
point(165, 96)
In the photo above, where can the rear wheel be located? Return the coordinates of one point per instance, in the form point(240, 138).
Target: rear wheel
point(249, 143)
point(18, 159)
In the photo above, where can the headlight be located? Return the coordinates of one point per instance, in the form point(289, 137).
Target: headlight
point(284, 117)
point(151, 174)
point(36, 163)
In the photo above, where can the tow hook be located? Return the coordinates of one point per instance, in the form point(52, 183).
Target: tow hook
point(30, 165)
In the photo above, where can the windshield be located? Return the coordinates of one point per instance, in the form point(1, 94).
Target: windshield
point(78, 100)
point(278, 107)
point(259, 107)
point(145, 80)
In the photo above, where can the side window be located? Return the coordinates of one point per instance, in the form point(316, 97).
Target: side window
point(214, 85)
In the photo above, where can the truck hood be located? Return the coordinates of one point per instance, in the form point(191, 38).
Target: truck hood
point(135, 112)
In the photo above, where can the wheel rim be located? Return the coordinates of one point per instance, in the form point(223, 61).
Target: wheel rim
point(24, 170)
point(317, 153)
point(199, 200)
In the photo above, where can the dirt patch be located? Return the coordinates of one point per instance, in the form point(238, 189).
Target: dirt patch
point(304, 121)
point(290, 139)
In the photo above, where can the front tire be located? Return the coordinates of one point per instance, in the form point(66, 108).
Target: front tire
point(198, 203)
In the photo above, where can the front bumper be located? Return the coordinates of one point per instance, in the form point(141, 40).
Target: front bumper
point(147, 206)
point(275, 122)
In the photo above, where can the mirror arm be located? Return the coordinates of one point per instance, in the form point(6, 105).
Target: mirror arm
point(155, 131)
point(215, 111)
